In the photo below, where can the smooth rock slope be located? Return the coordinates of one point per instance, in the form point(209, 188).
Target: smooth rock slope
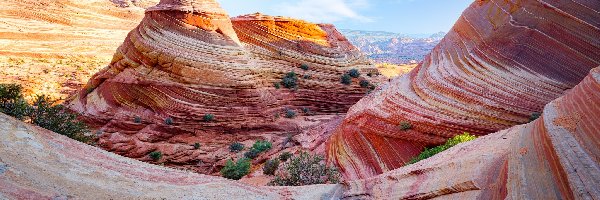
point(186, 60)
point(501, 63)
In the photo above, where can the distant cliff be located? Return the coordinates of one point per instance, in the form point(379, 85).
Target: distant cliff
point(396, 48)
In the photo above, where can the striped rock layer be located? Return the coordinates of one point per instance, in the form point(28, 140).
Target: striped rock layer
point(501, 62)
point(50, 166)
point(554, 157)
point(185, 60)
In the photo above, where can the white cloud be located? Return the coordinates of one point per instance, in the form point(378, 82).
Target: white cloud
point(328, 11)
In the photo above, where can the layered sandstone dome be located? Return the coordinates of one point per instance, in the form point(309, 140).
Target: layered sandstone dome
point(500, 64)
point(184, 61)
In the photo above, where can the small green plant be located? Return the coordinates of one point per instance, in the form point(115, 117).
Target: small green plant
point(305, 110)
point(197, 145)
point(156, 155)
point(305, 169)
point(364, 83)
point(169, 121)
point(304, 67)
point(236, 170)
point(46, 114)
point(12, 102)
point(427, 153)
point(290, 79)
point(270, 167)
point(405, 125)
point(370, 74)
point(262, 145)
point(534, 116)
point(290, 113)
point(346, 79)
point(208, 117)
point(137, 119)
point(306, 76)
point(236, 147)
point(354, 73)
point(285, 156)
point(277, 85)
point(252, 153)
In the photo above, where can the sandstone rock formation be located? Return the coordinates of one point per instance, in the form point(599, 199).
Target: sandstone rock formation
point(186, 60)
point(501, 62)
point(555, 157)
point(38, 164)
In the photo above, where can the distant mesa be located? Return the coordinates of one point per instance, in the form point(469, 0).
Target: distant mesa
point(500, 64)
point(186, 59)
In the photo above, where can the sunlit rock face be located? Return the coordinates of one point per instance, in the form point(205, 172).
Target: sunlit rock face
point(555, 157)
point(185, 61)
point(500, 63)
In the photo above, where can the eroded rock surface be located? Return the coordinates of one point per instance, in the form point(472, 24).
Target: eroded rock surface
point(501, 63)
point(555, 157)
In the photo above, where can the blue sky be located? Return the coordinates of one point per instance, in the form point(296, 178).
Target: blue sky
point(400, 16)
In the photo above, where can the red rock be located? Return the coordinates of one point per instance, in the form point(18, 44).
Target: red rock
point(555, 157)
point(501, 62)
point(185, 60)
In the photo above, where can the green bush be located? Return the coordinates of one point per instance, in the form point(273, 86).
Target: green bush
point(169, 121)
point(156, 155)
point(270, 167)
point(364, 83)
point(209, 117)
point(290, 79)
point(304, 67)
point(57, 119)
point(354, 73)
point(346, 79)
point(236, 170)
point(305, 110)
point(534, 116)
point(252, 153)
point(236, 147)
point(405, 125)
point(12, 102)
point(465, 137)
point(306, 76)
point(197, 145)
point(305, 169)
point(262, 145)
point(277, 85)
point(285, 156)
point(290, 113)
point(137, 120)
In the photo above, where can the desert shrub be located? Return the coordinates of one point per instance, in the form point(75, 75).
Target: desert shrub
point(305, 169)
point(354, 73)
point(534, 116)
point(346, 79)
point(290, 79)
point(169, 121)
point(197, 145)
point(304, 67)
point(370, 74)
point(262, 145)
point(252, 153)
point(236, 170)
point(306, 76)
point(236, 147)
point(285, 156)
point(208, 117)
point(364, 83)
point(270, 167)
point(405, 125)
point(56, 118)
point(290, 113)
point(277, 85)
point(156, 155)
point(305, 110)
point(12, 102)
point(465, 137)
point(137, 120)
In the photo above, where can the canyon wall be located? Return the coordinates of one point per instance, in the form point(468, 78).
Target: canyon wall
point(186, 60)
point(499, 65)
